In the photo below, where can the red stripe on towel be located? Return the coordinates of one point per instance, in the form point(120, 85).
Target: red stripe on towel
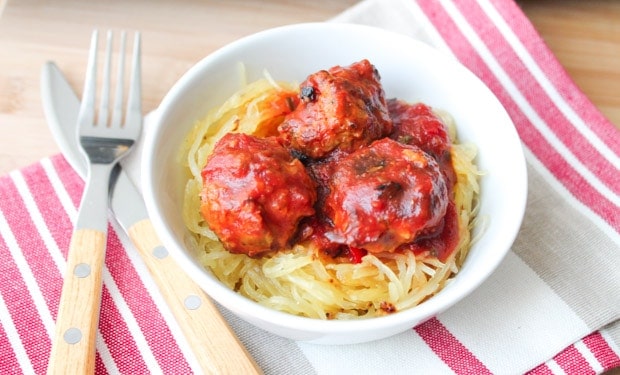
point(9, 363)
point(555, 163)
point(450, 349)
point(536, 96)
point(541, 369)
point(147, 314)
point(19, 301)
point(72, 182)
point(602, 351)
point(573, 362)
point(115, 332)
point(552, 68)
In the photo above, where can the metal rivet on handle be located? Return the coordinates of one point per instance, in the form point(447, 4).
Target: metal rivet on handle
point(192, 302)
point(160, 252)
point(82, 270)
point(72, 335)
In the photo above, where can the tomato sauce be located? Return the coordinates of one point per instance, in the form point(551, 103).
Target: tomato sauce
point(341, 108)
point(363, 175)
point(255, 194)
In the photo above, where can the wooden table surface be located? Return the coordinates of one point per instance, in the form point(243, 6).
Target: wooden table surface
point(584, 35)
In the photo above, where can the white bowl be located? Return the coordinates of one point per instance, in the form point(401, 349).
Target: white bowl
point(409, 70)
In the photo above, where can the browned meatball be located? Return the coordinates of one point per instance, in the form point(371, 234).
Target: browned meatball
point(383, 195)
point(343, 107)
point(417, 124)
point(254, 194)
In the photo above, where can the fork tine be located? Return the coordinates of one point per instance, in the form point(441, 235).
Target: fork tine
point(120, 88)
point(104, 103)
point(87, 108)
point(133, 117)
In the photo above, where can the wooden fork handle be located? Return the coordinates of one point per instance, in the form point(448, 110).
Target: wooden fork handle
point(214, 343)
point(73, 346)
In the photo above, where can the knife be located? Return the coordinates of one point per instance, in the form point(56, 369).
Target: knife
point(213, 342)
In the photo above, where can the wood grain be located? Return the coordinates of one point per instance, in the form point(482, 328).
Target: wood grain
point(217, 349)
point(175, 36)
point(585, 36)
point(80, 301)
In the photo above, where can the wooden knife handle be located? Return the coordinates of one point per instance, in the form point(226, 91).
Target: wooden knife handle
point(214, 343)
point(73, 346)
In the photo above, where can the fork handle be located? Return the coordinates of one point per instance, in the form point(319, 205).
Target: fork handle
point(73, 346)
point(215, 345)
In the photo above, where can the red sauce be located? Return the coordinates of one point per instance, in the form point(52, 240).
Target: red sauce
point(366, 175)
point(341, 108)
point(255, 194)
point(413, 124)
point(383, 195)
point(439, 244)
point(416, 124)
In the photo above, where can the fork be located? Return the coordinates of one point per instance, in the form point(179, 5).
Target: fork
point(104, 142)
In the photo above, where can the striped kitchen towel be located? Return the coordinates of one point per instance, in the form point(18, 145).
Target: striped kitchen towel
point(552, 306)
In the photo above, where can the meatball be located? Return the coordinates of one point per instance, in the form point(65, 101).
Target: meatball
point(343, 107)
point(383, 195)
point(416, 124)
point(255, 193)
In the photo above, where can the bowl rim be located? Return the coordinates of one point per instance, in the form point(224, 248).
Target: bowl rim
point(448, 297)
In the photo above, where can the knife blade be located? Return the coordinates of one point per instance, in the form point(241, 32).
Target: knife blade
point(213, 342)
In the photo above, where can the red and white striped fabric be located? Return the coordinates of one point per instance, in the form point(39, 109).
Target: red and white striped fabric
point(552, 307)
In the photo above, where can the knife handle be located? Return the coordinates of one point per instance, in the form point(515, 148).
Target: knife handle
point(214, 343)
point(73, 346)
